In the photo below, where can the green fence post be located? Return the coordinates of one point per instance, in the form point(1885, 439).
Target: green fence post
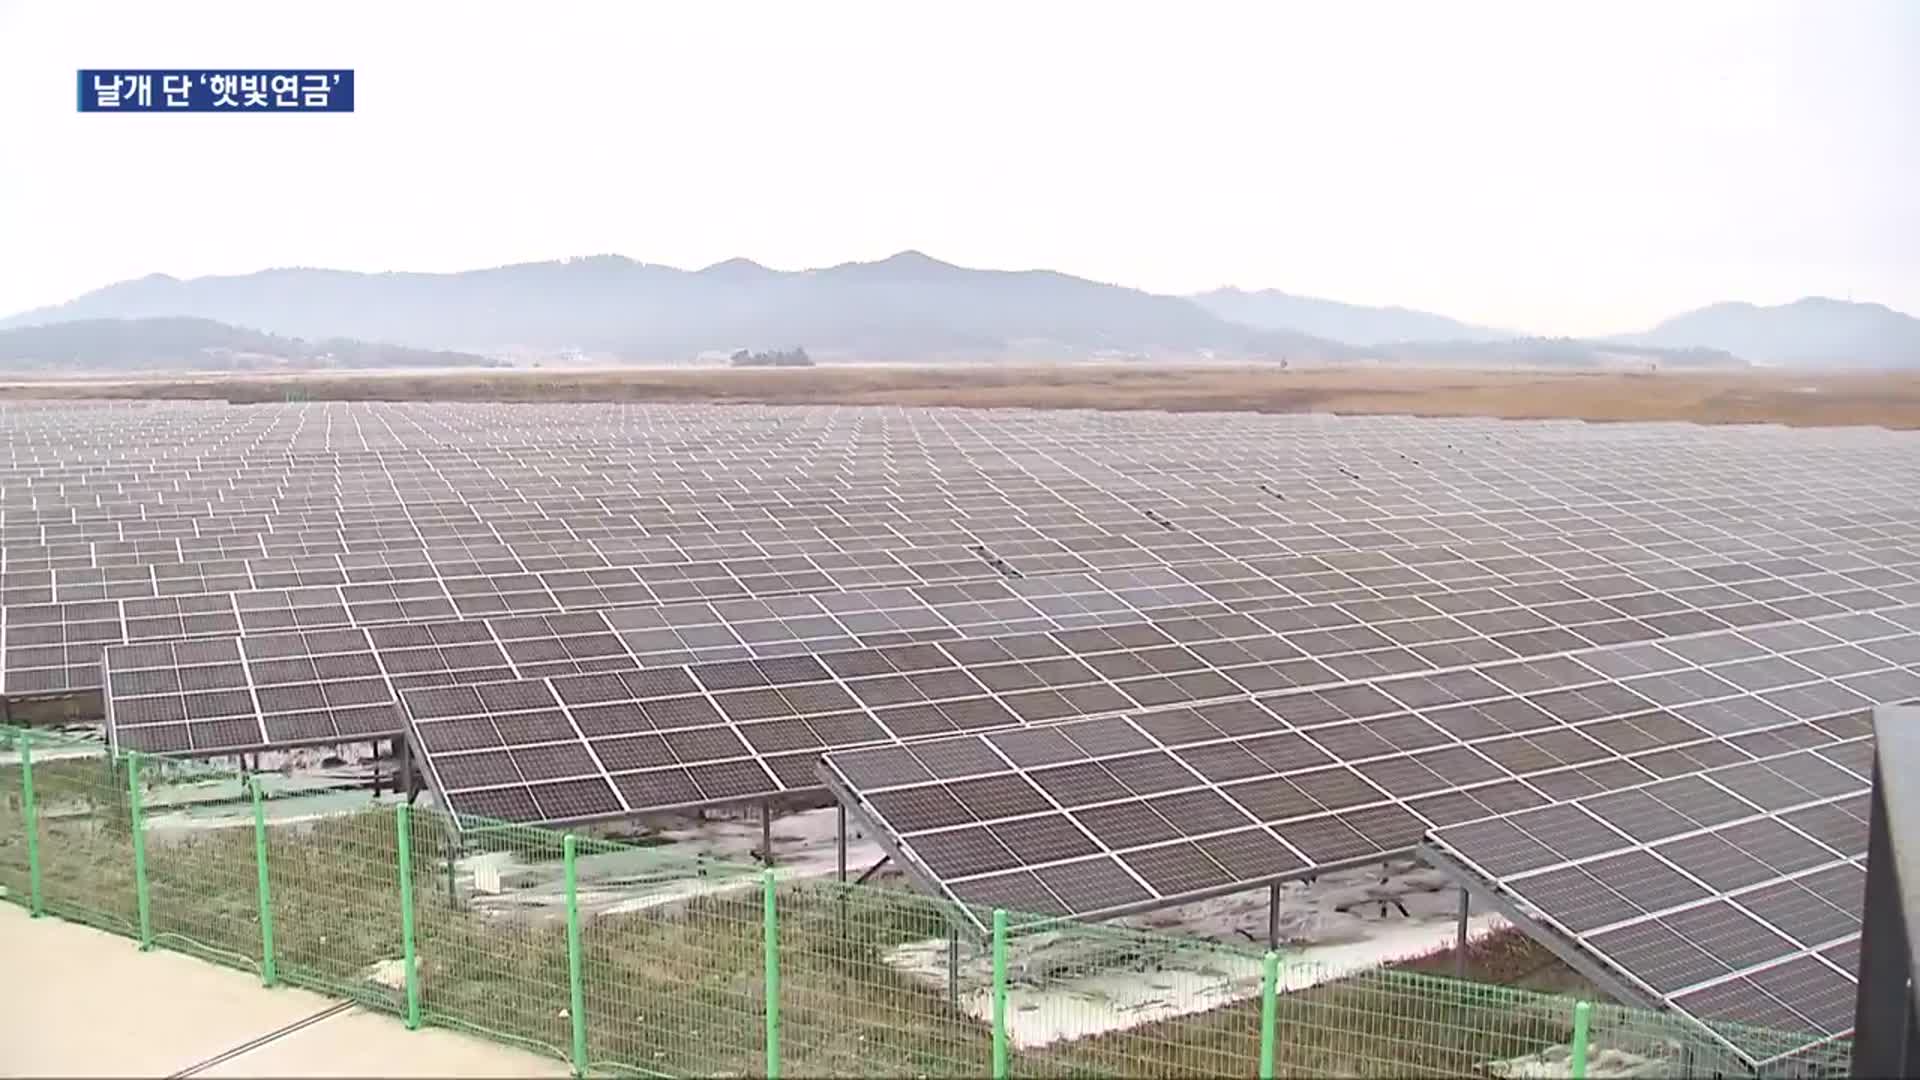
point(770, 931)
point(1269, 1011)
point(576, 978)
point(136, 822)
point(403, 826)
point(1577, 1068)
point(30, 818)
point(268, 972)
point(1000, 1070)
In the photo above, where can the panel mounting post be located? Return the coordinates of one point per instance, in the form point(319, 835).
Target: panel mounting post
point(840, 846)
point(403, 751)
point(1460, 936)
point(840, 862)
point(953, 968)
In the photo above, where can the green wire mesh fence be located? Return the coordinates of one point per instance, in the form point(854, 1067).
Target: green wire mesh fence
point(674, 979)
point(200, 857)
point(865, 987)
point(623, 959)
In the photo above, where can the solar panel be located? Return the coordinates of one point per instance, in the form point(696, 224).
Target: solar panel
point(1349, 774)
point(1731, 895)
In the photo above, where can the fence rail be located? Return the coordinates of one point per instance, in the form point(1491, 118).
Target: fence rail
point(619, 958)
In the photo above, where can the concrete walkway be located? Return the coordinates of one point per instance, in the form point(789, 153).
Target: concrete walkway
point(79, 1002)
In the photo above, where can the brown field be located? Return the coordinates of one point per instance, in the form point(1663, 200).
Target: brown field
point(1787, 398)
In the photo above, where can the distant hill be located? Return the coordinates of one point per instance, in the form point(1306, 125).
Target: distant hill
point(175, 344)
point(907, 307)
point(1560, 353)
point(1814, 332)
point(1353, 324)
point(910, 307)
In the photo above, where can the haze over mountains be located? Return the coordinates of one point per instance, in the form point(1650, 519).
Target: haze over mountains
point(911, 307)
point(1810, 332)
point(1352, 323)
point(174, 343)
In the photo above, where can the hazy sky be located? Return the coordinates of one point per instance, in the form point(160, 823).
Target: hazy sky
point(1555, 167)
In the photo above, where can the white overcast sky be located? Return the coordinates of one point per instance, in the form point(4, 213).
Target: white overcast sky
point(1547, 166)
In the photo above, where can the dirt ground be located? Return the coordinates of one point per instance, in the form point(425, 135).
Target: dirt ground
point(1802, 399)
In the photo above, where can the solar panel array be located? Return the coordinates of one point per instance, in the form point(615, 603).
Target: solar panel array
point(1733, 895)
point(458, 519)
point(1069, 663)
point(1167, 805)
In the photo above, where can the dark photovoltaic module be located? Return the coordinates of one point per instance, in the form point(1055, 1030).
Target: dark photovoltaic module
point(1732, 895)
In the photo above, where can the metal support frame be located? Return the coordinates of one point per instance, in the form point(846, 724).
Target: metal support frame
point(840, 842)
point(1575, 957)
point(1273, 916)
point(766, 833)
point(956, 915)
point(953, 968)
point(455, 842)
point(403, 747)
point(867, 874)
point(840, 865)
point(1460, 936)
point(1886, 1036)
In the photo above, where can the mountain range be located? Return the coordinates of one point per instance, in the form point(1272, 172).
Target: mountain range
point(174, 343)
point(1811, 332)
point(1352, 323)
point(911, 307)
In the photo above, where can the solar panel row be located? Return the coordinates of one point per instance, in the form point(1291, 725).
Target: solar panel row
point(493, 582)
point(1035, 676)
point(1733, 894)
point(1323, 778)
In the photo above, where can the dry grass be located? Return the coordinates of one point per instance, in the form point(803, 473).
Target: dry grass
point(1507, 957)
point(1798, 399)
